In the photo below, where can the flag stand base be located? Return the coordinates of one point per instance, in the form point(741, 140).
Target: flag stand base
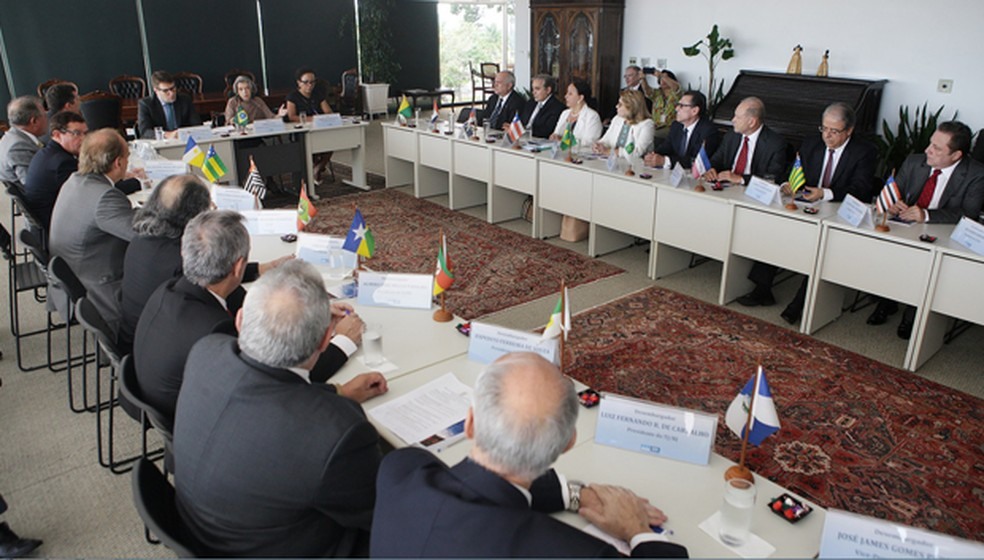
point(791, 206)
point(443, 315)
point(738, 471)
point(699, 188)
point(882, 227)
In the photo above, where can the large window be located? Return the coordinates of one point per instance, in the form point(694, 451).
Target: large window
point(474, 32)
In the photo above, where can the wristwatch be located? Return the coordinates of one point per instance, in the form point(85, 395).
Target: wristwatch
point(574, 490)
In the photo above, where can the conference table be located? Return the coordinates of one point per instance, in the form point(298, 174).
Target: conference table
point(349, 135)
point(205, 104)
point(679, 222)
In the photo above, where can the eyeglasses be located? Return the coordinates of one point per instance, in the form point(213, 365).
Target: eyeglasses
point(679, 104)
point(166, 89)
point(824, 130)
point(75, 133)
point(307, 82)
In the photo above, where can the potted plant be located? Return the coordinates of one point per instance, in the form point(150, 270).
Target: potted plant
point(718, 48)
point(909, 138)
point(378, 68)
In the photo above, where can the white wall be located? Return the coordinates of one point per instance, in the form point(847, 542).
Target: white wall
point(911, 43)
point(522, 58)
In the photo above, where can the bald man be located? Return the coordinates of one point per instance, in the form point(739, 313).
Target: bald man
point(751, 149)
point(505, 104)
point(496, 502)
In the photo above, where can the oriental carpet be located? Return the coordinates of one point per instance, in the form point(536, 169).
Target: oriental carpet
point(856, 434)
point(494, 268)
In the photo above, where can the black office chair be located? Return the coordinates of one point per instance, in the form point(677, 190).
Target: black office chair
point(107, 353)
point(149, 416)
point(128, 87)
point(154, 498)
point(25, 275)
point(188, 82)
point(64, 291)
point(102, 110)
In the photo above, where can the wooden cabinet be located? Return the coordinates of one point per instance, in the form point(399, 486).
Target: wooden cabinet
point(580, 39)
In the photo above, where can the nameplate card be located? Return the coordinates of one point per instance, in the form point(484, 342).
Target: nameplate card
point(159, 169)
point(199, 133)
point(762, 191)
point(855, 212)
point(326, 121)
point(676, 176)
point(413, 291)
point(849, 535)
point(270, 222)
point(612, 162)
point(653, 429)
point(234, 198)
point(269, 126)
point(970, 234)
point(487, 342)
point(325, 251)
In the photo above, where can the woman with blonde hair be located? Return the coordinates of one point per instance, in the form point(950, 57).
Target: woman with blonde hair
point(631, 129)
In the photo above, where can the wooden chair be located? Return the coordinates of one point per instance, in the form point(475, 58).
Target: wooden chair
point(128, 87)
point(348, 98)
point(188, 82)
point(43, 86)
point(231, 76)
point(483, 79)
point(102, 110)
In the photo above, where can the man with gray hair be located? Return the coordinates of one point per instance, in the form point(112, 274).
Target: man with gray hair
point(91, 224)
point(266, 462)
point(496, 502)
point(504, 103)
point(28, 122)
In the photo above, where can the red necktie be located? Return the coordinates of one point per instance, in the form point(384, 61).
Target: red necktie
point(825, 182)
point(742, 158)
point(928, 189)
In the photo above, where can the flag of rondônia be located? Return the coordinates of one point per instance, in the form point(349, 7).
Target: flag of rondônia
point(443, 275)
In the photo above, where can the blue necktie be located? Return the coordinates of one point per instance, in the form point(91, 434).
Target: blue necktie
point(172, 123)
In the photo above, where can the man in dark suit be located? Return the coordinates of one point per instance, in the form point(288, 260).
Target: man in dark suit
point(835, 164)
point(54, 164)
point(496, 502)
point(91, 224)
point(19, 144)
point(167, 108)
point(691, 130)
point(752, 149)
point(540, 114)
point(940, 186)
point(504, 103)
point(266, 462)
point(185, 309)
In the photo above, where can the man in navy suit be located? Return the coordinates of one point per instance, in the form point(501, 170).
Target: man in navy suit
point(504, 104)
point(751, 149)
point(496, 503)
point(54, 164)
point(835, 164)
point(540, 114)
point(940, 186)
point(166, 108)
point(266, 462)
point(691, 130)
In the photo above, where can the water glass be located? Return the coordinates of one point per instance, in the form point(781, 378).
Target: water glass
point(372, 345)
point(158, 133)
point(736, 511)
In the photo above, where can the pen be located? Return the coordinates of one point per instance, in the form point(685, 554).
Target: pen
point(661, 531)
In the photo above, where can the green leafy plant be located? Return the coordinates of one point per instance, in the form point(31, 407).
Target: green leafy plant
point(714, 48)
point(376, 51)
point(911, 136)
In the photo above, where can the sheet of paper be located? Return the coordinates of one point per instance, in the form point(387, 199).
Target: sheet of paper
point(427, 410)
point(270, 222)
point(233, 198)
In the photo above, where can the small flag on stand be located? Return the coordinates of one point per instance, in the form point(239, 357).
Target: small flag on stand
point(305, 210)
point(360, 239)
point(560, 319)
point(796, 177)
point(701, 163)
point(404, 110)
point(443, 275)
point(568, 141)
point(193, 155)
point(516, 129)
point(242, 119)
point(764, 419)
point(889, 195)
point(213, 168)
point(436, 115)
point(254, 181)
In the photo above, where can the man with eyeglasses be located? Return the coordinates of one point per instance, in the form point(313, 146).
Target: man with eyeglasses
point(835, 164)
point(691, 130)
point(166, 108)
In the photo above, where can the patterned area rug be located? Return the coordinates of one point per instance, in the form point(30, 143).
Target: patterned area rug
point(856, 434)
point(494, 268)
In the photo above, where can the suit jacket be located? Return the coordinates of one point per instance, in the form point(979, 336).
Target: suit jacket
point(267, 464)
point(546, 119)
point(769, 157)
point(855, 170)
point(90, 228)
point(705, 133)
point(964, 193)
point(150, 113)
point(16, 152)
point(513, 105)
point(426, 509)
point(49, 170)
